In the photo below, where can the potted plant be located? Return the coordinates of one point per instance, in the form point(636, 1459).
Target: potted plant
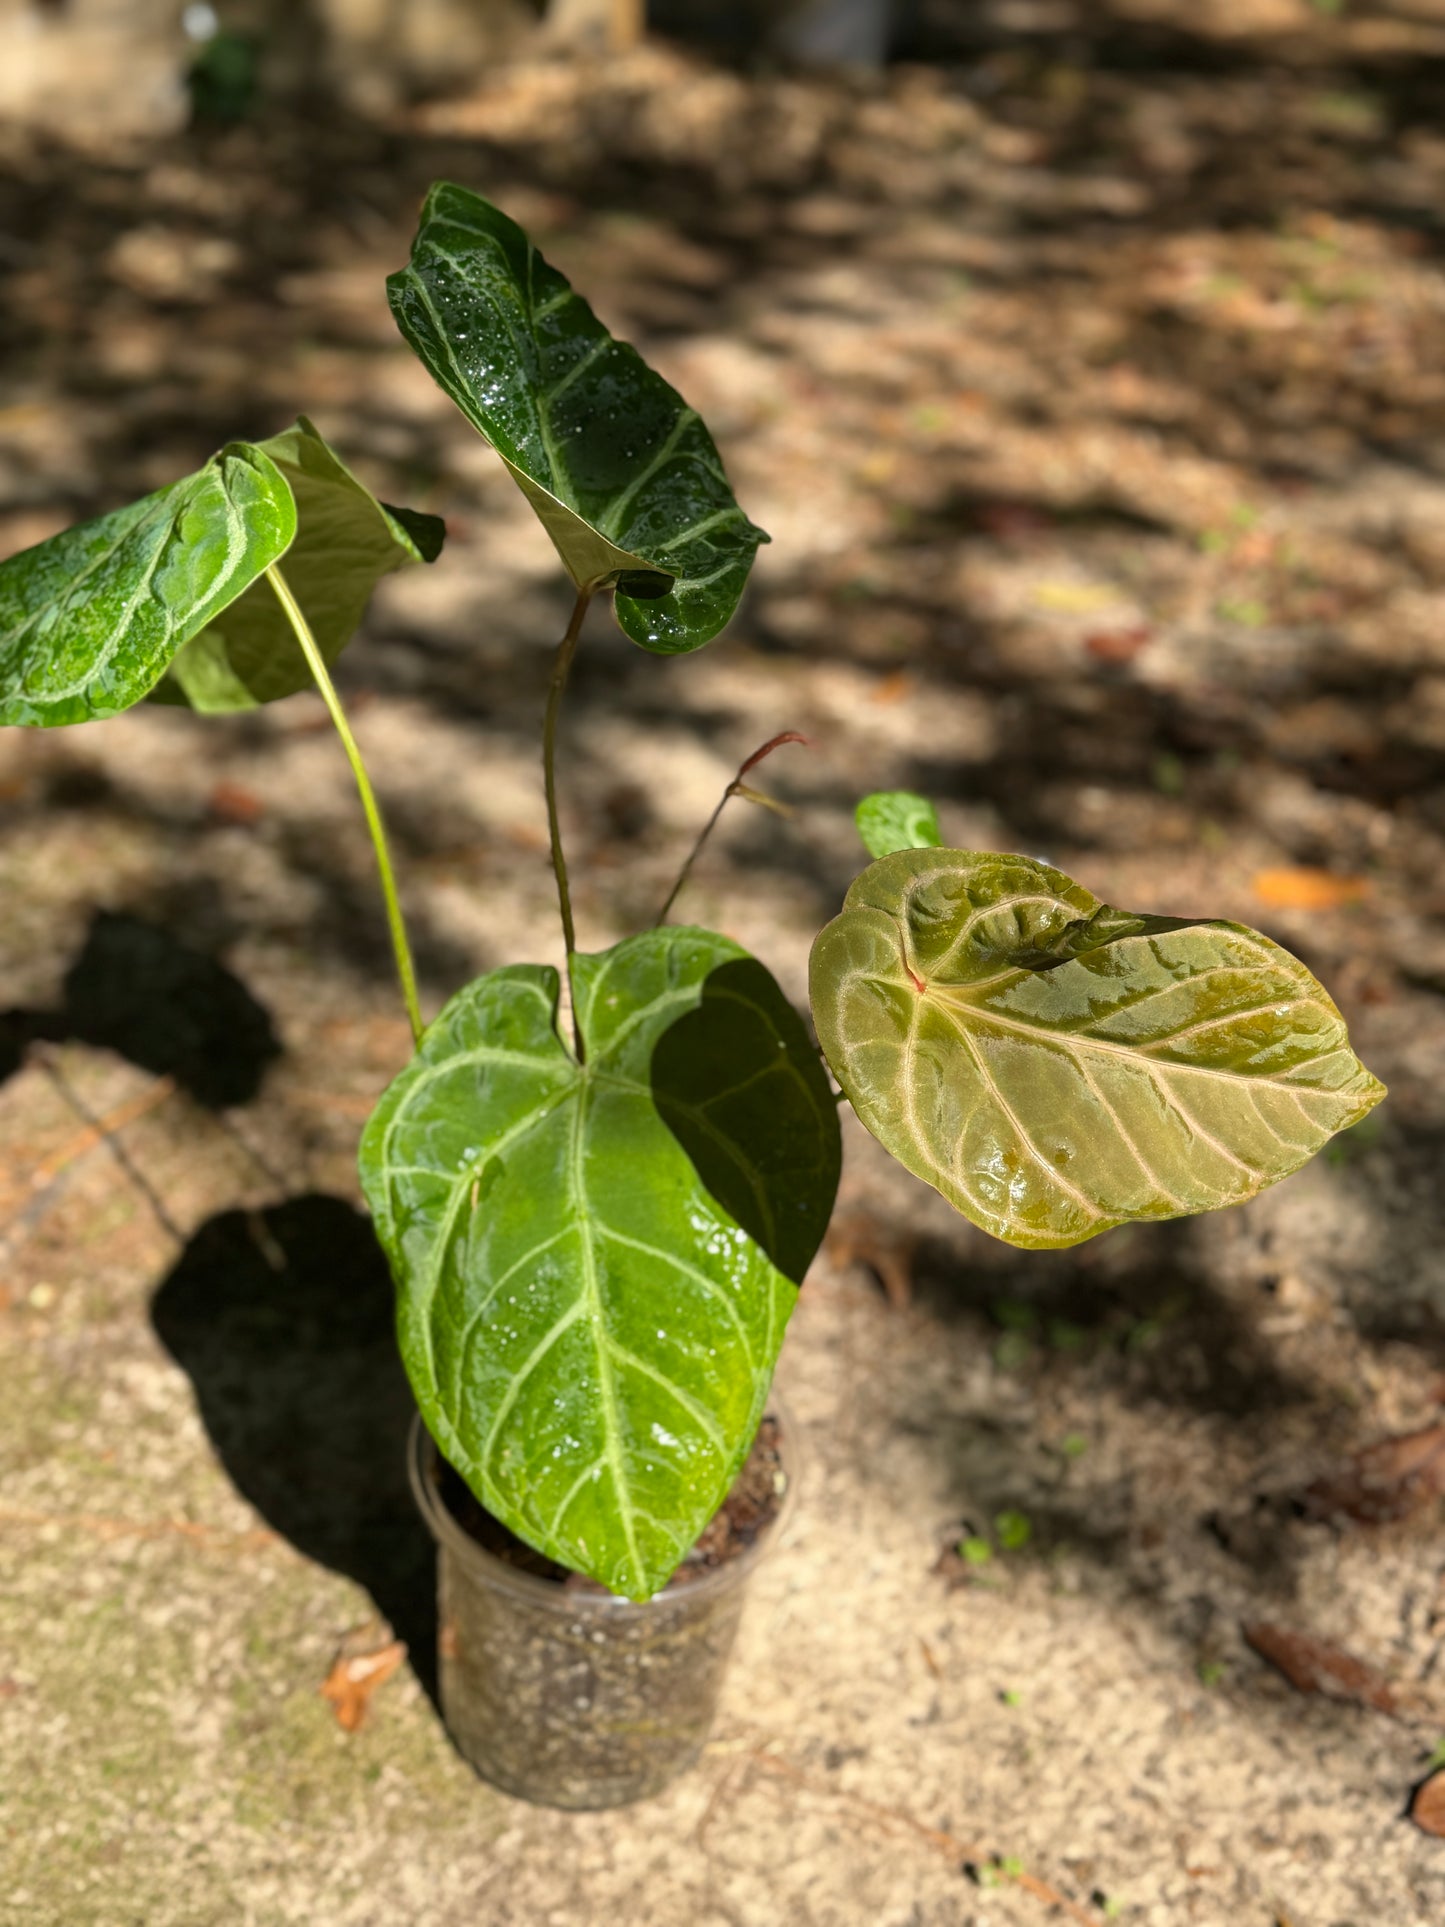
point(600, 1189)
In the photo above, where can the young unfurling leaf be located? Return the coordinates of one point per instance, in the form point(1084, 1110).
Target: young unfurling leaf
point(890, 820)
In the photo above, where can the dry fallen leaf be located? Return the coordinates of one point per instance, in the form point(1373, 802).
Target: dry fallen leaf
point(1427, 1809)
point(1078, 598)
point(1013, 520)
point(1118, 645)
point(1314, 1666)
point(234, 803)
point(1388, 1480)
point(355, 1676)
point(1305, 889)
point(893, 688)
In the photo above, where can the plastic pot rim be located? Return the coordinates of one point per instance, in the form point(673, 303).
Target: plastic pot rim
point(487, 1569)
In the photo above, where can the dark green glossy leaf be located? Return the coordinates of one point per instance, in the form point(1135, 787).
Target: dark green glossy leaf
point(622, 473)
point(91, 619)
point(423, 535)
point(1055, 1067)
point(345, 542)
point(596, 1261)
point(890, 820)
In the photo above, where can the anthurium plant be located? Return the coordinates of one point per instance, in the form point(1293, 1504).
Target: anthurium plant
point(599, 1198)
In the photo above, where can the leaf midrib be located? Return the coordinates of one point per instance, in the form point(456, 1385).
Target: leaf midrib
point(125, 621)
point(958, 1007)
point(989, 1084)
point(461, 1189)
point(962, 1000)
point(589, 1307)
point(593, 1295)
point(462, 1182)
point(951, 1175)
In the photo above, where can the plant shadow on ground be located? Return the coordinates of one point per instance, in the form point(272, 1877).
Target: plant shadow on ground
point(1133, 1336)
point(1164, 1331)
point(1139, 1319)
point(283, 1320)
point(137, 990)
point(1119, 1295)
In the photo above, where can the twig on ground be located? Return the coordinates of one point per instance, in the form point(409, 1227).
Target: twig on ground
point(722, 1788)
point(98, 1130)
point(1317, 1666)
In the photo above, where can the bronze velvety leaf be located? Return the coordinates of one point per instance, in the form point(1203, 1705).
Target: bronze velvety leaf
point(1055, 1067)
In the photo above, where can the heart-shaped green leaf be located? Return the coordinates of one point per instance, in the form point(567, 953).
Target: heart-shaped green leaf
point(596, 1260)
point(164, 597)
point(890, 820)
point(1055, 1067)
point(345, 542)
point(622, 473)
point(91, 619)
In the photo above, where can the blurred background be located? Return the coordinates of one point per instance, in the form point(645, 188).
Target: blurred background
point(1086, 361)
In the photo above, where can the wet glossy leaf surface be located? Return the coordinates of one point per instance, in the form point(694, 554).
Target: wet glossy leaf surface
point(91, 620)
point(167, 597)
point(622, 473)
point(1055, 1067)
point(596, 1262)
point(345, 542)
point(890, 820)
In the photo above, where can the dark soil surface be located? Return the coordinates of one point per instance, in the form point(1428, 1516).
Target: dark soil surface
point(748, 1510)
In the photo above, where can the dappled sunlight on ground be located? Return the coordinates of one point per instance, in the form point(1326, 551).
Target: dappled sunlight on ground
point(1090, 384)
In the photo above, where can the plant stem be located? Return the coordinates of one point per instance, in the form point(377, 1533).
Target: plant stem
point(735, 788)
point(316, 663)
point(561, 669)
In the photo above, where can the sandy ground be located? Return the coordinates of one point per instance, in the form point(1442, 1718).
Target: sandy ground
point(1095, 409)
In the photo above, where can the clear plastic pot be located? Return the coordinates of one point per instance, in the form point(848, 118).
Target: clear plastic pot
point(580, 1698)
